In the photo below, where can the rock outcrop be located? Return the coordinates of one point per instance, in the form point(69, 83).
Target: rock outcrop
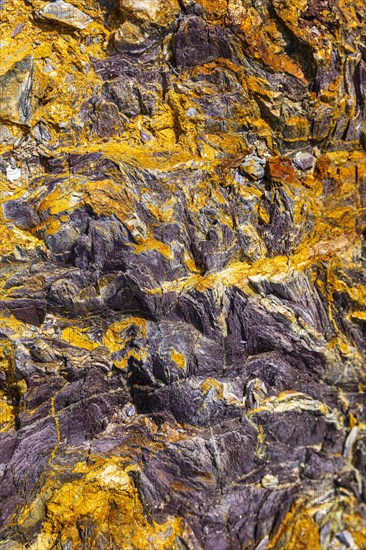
point(183, 259)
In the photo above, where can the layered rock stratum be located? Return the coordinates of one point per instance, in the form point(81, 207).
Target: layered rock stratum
point(182, 255)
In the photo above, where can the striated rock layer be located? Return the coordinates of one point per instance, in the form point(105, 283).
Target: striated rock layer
point(182, 255)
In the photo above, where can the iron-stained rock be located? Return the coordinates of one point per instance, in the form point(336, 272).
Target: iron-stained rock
point(182, 258)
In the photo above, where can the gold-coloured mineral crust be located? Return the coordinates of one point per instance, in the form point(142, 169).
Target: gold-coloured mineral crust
point(183, 268)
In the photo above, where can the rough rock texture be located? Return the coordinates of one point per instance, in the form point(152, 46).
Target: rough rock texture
point(183, 268)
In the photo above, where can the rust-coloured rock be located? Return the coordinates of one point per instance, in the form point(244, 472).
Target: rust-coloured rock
point(182, 255)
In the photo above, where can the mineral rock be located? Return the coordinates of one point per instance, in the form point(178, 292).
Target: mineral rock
point(183, 272)
point(160, 12)
point(5, 136)
point(65, 14)
point(254, 167)
point(304, 161)
point(16, 92)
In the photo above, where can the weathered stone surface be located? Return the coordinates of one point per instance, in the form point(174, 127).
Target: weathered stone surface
point(182, 256)
point(16, 92)
point(195, 43)
point(158, 12)
point(65, 14)
point(304, 161)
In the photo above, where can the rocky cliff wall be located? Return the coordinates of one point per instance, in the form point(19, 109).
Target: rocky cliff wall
point(182, 291)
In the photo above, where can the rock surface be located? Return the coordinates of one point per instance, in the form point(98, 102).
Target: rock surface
point(183, 260)
point(65, 14)
point(16, 92)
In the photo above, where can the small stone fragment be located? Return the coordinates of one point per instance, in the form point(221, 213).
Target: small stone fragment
point(351, 438)
point(160, 12)
point(41, 133)
point(65, 14)
point(192, 112)
point(304, 161)
point(269, 481)
point(347, 539)
point(16, 92)
point(254, 167)
point(41, 352)
point(145, 136)
point(13, 173)
point(5, 136)
point(130, 410)
point(17, 29)
point(130, 38)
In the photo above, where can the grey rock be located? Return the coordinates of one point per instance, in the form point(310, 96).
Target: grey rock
point(347, 538)
point(65, 14)
point(145, 136)
point(304, 161)
point(254, 167)
point(5, 136)
point(16, 102)
point(41, 133)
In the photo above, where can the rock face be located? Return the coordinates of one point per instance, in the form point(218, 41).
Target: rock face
point(183, 260)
